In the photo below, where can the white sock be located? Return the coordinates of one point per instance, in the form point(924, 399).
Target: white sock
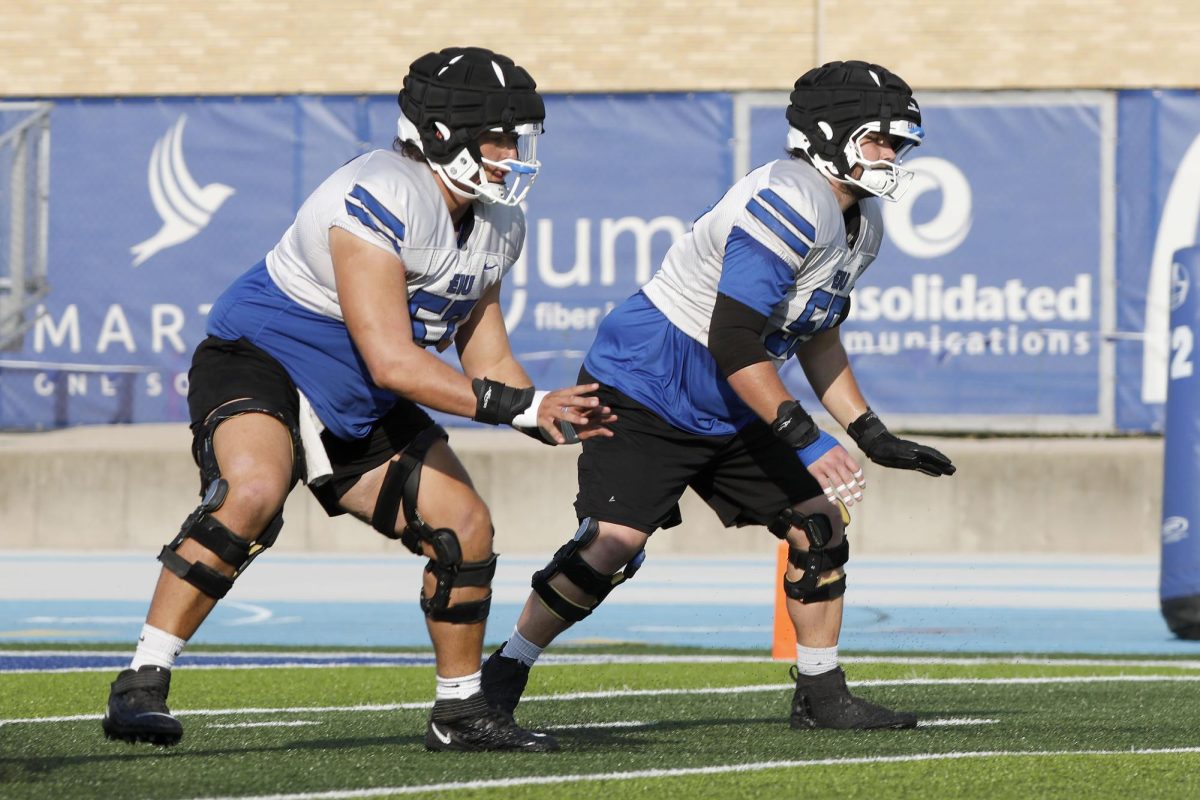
point(521, 649)
point(156, 647)
point(816, 660)
point(459, 688)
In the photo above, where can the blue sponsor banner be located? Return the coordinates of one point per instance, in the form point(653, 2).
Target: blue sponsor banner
point(157, 205)
point(994, 304)
point(624, 178)
point(985, 307)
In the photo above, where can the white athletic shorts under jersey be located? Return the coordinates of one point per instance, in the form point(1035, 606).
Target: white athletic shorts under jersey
point(288, 305)
point(775, 242)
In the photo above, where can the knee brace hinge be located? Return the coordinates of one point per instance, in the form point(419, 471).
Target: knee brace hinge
point(819, 559)
point(399, 489)
point(211, 534)
point(568, 562)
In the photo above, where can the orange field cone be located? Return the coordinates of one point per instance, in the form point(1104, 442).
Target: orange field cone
point(783, 639)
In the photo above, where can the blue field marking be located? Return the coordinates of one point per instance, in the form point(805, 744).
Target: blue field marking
point(955, 605)
point(866, 629)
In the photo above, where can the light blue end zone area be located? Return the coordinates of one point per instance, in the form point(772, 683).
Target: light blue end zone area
point(865, 629)
point(952, 605)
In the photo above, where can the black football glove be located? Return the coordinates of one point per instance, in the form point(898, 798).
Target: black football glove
point(885, 449)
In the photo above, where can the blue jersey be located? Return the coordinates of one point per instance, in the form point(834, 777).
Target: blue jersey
point(288, 304)
point(775, 242)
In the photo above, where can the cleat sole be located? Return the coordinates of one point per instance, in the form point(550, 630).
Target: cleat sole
point(134, 737)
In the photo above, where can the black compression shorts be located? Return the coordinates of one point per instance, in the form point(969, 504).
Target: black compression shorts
point(636, 477)
point(224, 370)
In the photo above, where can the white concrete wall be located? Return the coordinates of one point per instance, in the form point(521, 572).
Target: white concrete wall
point(130, 487)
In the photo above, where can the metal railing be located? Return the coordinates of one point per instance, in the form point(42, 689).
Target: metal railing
point(24, 216)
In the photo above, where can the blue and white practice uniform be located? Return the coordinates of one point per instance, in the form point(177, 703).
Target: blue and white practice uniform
point(776, 242)
point(288, 305)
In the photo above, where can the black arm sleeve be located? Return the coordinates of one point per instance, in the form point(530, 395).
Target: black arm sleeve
point(735, 335)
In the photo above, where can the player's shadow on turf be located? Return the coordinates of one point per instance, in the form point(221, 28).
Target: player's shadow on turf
point(604, 738)
point(123, 752)
point(601, 738)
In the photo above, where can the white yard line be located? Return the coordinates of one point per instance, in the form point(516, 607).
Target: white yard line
point(617, 693)
point(190, 667)
point(275, 724)
point(925, 723)
point(721, 769)
point(723, 690)
point(200, 651)
point(599, 725)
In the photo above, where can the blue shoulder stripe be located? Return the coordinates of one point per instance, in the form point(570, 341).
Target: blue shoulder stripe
point(394, 227)
point(790, 214)
point(759, 212)
point(359, 213)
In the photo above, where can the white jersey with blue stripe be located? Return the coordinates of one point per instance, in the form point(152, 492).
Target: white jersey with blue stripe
point(394, 203)
point(288, 305)
point(775, 242)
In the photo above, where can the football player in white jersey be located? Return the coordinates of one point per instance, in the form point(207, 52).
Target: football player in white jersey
point(315, 369)
point(690, 363)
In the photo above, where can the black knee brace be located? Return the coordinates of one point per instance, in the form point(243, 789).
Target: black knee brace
point(400, 485)
point(208, 530)
point(817, 560)
point(570, 563)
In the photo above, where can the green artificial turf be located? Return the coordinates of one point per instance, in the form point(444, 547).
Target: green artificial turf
point(695, 730)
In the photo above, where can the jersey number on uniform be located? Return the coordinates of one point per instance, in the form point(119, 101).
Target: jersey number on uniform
point(782, 344)
point(446, 311)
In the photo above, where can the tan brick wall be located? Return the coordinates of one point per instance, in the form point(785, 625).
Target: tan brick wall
point(104, 47)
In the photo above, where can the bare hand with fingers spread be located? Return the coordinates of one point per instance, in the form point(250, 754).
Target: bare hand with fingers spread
point(565, 416)
point(840, 476)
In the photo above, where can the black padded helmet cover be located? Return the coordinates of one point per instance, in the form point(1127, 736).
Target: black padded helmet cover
point(454, 95)
point(829, 103)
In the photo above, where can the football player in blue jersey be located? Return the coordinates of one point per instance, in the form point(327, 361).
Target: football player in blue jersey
point(316, 369)
point(690, 364)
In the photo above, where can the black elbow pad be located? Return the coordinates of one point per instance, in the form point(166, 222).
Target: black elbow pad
point(735, 335)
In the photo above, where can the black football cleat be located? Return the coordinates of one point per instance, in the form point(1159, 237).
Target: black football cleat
point(504, 681)
point(137, 708)
point(472, 725)
point(824, 701)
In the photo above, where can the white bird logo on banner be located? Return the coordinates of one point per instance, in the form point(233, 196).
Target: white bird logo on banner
point(185, 207)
